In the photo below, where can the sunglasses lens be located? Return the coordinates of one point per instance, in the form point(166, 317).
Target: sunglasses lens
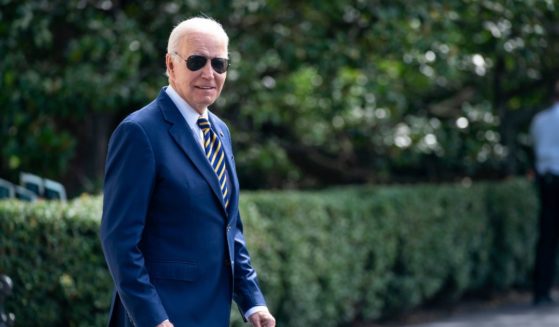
point(220, 65)
point(195, 63)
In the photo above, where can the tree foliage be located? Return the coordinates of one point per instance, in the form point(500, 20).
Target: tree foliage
point(320, 92)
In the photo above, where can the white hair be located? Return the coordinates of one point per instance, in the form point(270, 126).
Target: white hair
point(198, 24)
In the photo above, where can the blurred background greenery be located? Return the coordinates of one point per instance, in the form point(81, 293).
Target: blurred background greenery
point(319, 93)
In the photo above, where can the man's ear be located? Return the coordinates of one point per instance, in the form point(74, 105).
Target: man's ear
point(170, 64)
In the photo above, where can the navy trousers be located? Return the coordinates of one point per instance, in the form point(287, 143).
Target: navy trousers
point(546, 251)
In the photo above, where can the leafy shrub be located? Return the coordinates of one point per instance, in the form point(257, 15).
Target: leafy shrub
point(52, 253)
point(324, 258)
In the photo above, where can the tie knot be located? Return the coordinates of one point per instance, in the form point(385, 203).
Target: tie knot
point(203, 123)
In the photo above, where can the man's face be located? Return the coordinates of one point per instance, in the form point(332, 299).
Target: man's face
point(202, 87)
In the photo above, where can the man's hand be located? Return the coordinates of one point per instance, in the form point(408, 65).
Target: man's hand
point(165, 323)
point(262, 319)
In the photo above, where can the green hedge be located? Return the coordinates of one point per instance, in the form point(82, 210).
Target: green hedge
point(324, 258)
point(53, 255)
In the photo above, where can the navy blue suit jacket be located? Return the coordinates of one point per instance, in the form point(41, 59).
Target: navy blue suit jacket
point(173, 250)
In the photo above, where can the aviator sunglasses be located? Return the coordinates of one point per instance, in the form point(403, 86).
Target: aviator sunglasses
point(196, 62)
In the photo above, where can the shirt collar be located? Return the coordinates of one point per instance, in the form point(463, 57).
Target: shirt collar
point(190, 115)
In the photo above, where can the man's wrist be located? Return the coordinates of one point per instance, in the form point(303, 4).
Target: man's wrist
point(255, 309)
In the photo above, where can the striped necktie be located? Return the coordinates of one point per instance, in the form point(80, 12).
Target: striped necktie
point(216, 156)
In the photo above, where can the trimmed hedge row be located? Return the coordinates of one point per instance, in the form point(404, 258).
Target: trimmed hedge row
point(324, 258)
point(53, 255)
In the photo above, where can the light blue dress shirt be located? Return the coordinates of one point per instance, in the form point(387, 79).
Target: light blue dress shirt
point(545, 136)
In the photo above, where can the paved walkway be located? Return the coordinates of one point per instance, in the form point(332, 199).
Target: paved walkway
point(510, 315)
point(514, 309)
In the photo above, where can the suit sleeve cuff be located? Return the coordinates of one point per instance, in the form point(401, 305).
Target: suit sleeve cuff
point(255, 309)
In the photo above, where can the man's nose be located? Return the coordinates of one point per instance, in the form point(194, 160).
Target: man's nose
point(207, 70)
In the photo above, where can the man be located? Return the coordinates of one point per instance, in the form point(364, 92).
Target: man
point(171, 230)
point(545, 134)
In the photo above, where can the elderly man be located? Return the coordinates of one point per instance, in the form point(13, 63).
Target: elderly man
point(545, 135)
point(171, 230)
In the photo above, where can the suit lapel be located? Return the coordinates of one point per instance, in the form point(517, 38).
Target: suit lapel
point(182, 135)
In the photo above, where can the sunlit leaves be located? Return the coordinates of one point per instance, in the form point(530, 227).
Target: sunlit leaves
point(340, 77)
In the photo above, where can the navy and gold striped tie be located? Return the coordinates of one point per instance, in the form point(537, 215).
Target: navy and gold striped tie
point(215, 155)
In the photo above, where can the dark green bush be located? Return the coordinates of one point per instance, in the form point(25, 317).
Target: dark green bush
point(53, 255)
point(324, 258)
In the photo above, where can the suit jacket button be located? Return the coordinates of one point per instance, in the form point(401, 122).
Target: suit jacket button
point(228, 228)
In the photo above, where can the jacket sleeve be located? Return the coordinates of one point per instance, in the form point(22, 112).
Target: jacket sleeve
point(246, 292)
point(129, 179)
